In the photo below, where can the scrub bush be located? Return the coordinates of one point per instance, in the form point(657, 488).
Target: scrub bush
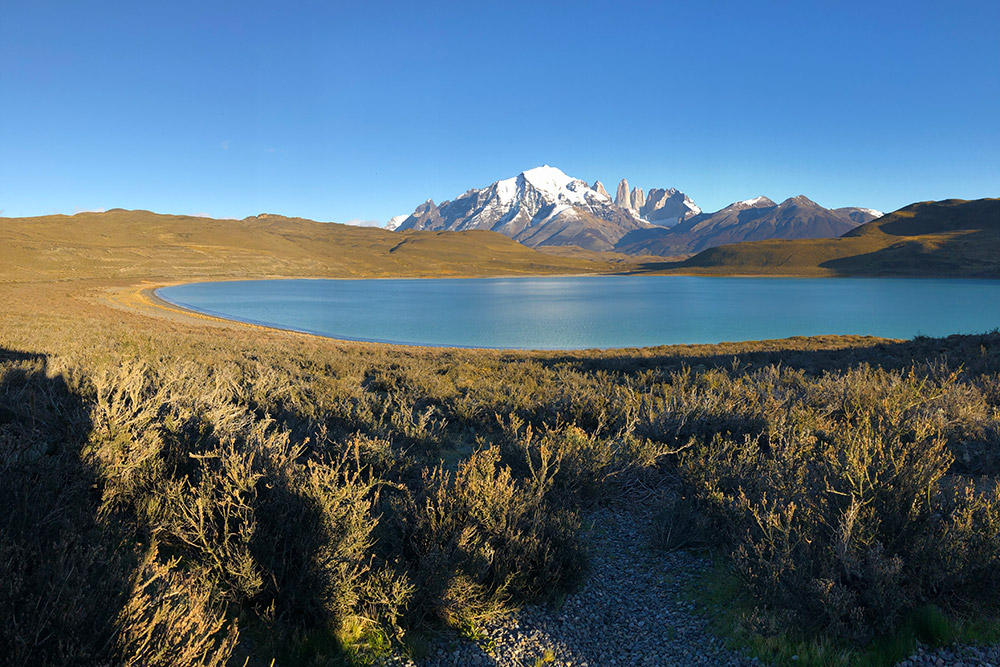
point(850, 527)
point(171, 619)
point(321, 492)
point(480, 540)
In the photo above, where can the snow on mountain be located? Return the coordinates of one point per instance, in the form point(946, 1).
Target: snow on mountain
point(756, 202)
point(545, 206)
point(858, 214)
point(540, 206)
point(395, 221)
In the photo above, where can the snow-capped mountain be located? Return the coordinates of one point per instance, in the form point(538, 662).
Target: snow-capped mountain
point(540, 206)
point(544, 206)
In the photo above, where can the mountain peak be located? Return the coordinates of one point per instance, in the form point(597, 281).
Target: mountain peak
point(666, 207)
point(622, 197)
point(549, 179)
point(598, 187)
point(539, 206)
point(638, 199)
point(757, 202)
point(800, 200)
point(858, 214)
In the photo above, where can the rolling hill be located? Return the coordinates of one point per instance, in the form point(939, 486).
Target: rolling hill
point(954, 237)
point(947, 238)
point(133, 245)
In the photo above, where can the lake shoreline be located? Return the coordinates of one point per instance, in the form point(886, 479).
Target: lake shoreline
point(142, 300)
point(564, 313)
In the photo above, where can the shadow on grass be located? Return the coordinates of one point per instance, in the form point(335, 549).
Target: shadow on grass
point(964, 253)
point(980, 354)
point(67, 568)
point(63, 578)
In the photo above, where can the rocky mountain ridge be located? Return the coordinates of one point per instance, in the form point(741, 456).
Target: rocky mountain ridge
point(544, 206)
point(757, 219)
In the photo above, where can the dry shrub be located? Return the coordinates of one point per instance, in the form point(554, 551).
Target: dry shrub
point(315, 525)
point(62, 575)
point(480, 540)
point(964, 547)
point(846, 531)
point(593, 466)
point(279, 528)
point(221, 447)
point(283, 533)
point(680, 523)
point(210, 516)
point(172, 619)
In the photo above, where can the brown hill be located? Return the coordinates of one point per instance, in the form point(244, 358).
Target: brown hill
point(947, 238)
point(132, 245)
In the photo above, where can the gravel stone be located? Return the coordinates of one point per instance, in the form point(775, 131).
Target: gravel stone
point(631, 611)
point(954, 656)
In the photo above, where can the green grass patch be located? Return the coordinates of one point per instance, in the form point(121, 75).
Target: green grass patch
point(719, 594)
point(364, 644)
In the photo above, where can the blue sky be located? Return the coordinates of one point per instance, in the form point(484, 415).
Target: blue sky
point(360, 111)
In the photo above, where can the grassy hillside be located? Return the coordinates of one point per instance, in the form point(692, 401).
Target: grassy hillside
point(946, 238)
point(626, 262)
point(133, 245)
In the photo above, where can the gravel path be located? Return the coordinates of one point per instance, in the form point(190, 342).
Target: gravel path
point(954, 656)
point(631, 611)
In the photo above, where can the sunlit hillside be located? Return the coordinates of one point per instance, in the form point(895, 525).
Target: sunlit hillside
point(947, 238)
point(130, 245)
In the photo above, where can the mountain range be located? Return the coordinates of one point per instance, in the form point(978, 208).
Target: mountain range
point(545, 207)
point(754, 219)
point(953, 237)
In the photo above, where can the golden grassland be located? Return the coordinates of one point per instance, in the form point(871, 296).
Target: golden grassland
point(123, 246)
point(182, 490)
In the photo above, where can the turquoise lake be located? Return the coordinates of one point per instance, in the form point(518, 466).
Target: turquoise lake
point(600, 312)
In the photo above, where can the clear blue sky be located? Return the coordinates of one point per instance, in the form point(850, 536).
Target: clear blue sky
point(359, 111)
